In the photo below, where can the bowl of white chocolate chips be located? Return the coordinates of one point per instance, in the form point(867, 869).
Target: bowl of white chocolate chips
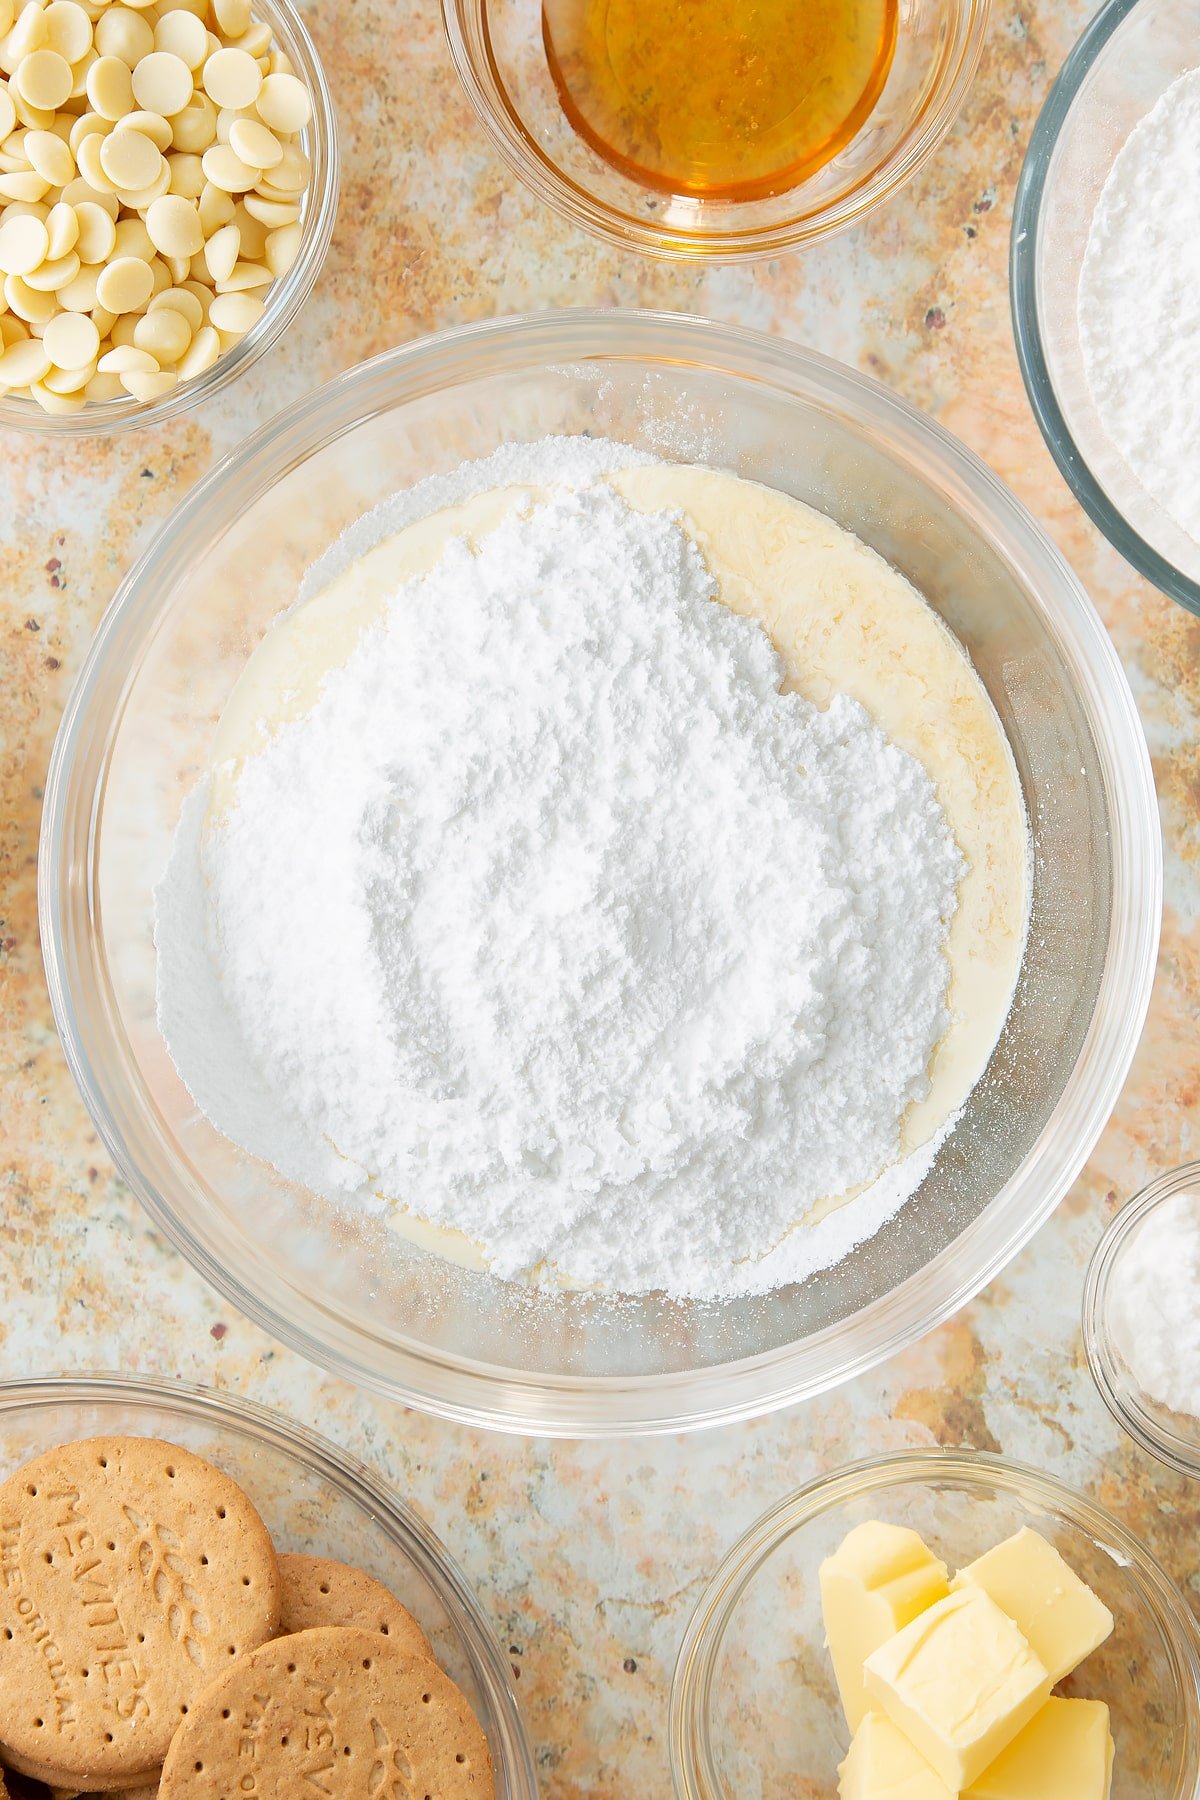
point(168, 186)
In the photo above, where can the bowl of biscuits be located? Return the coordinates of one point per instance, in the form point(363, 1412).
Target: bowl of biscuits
point(200, 1598)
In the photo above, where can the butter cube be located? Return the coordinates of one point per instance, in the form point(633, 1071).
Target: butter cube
point(882, 1765)
point(960, 1682)
point(1056, 1611)
point(877, 1580)
point(1064, 1753)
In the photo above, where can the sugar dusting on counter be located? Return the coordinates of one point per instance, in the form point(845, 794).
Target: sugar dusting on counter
point(556, 921)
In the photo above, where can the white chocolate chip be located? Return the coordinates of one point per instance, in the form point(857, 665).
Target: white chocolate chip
point(128, 159)
point(271, 213)
point(151, 125)
point(235, 312)
point(24, 362)
point(79, 295)
point(195, 128)
point(110, 87)
point(68, 30)
point(165, 333)
point(283, 247)
point(28, 304)
point(62, 229)
point(149, 386)
point(97, 233)
point(125, 285)
point(124, 34)
point(225, 170)
point(69, 381)
point(71, 341)
point(183, 34)
point(29, 186)
point(221, 252)
point(232, 78)
point(245, 276)
point(51, 402)
point(257, 147)
point(216, 208)
point(187, 174)
point(103, 387)
point(174, 226)
point(53, 275)
point(50, 156)
point(162, 83)
point(23, 245)
point(283, 103)
point(180, 300)
point(201, 354)
point(124, 358)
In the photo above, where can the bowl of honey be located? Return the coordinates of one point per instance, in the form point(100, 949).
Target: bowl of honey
point(721, 130)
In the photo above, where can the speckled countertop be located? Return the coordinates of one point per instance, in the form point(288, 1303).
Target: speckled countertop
point(590, 1558)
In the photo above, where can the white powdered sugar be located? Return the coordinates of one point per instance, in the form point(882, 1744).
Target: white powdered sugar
point(1155, 1300)
point(1139, 303)
point(556, 923)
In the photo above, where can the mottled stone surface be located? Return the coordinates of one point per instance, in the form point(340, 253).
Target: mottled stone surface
point(590, 1558)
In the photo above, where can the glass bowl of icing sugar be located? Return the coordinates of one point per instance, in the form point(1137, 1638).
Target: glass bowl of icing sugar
point(192, 625)
point(1141, 1318)
point(1105, 279)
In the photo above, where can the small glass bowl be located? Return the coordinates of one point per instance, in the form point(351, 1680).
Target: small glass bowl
point(1172, 1436)
point(498, 51)
point(284, 297)
point(754, 1709)
point(313, 1497)
point(1127, 58)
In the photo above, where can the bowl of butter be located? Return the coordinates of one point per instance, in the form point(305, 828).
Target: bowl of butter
point(933, 1624)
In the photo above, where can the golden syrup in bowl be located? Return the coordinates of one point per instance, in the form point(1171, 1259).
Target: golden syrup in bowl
point(719, 99)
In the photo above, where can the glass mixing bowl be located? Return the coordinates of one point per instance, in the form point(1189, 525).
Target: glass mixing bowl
point(313, 1497)
point(1129, 55)
point(284, 298)
point(1175, 1437)
point(754, 1710)
point(138, 730)
point(498, 52)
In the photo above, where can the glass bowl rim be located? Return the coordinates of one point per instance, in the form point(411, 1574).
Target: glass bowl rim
point(693, 1768)
point(1117, 1388)
point(352, 1477)
point(568, 1405)
point(285, 296)
point(1027, 332)
point(573, 201)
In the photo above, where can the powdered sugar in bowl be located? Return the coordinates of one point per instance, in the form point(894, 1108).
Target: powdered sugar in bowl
point(1103, 278)
point(138, 734)
point(1141, 1318)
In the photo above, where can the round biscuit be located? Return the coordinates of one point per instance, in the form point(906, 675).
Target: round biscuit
point(132, 1573)
point(317, 1592)
point(335, 1711)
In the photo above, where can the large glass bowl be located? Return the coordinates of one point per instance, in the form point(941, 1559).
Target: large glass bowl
point(284, 298)
point(498, 52)
point(1129, 55)
point(754, 1710)
point(313, 1497)
point(139, 727)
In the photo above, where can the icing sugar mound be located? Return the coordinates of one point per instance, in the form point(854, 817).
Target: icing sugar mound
point(1139, 303)
point(1156, 1303)
point(556, 922)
